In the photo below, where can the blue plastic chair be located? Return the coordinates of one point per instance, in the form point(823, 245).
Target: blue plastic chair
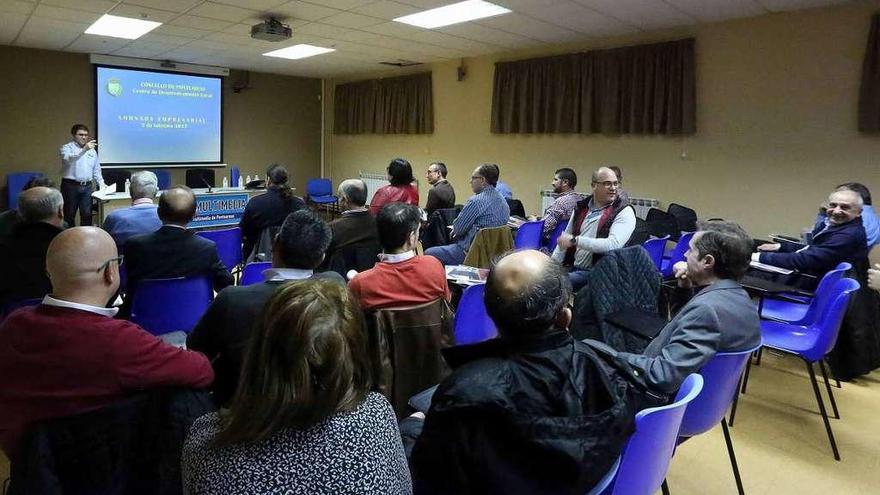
point(807, 310)
point(253, 272)
point(645, 459)
point(320, 191)
point(234, 174)
point(528, 235)
point(554, 236)
point(655, 248)
point(721, 378)
point(472, 323)
point(228, 243)
point(813, 342)
point(676, 255)
point(15, 183)
point(168, 305)
point(163, 178)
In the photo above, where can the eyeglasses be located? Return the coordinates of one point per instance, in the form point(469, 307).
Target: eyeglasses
point(608, 184)
point(475, 177)
point(104, 265)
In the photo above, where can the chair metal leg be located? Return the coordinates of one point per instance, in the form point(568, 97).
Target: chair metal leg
point(739, 485)
point(746, 376)
point(828, 388)
point(758, 357)
point(664, 487)
point(822, 410)
point(735, 400)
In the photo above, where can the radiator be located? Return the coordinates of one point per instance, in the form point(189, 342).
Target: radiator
point(373, 180)
point(642, 205)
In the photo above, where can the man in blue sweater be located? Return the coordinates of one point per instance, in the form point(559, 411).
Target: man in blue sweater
point(142, 216)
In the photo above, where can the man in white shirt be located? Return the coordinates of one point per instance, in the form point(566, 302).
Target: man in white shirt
point(79, 167)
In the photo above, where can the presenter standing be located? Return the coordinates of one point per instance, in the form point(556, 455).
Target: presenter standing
point(79, 167)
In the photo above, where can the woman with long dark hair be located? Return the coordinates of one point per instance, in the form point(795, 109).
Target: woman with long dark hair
point(268, 210)
point(400, 189)
point(303, 419)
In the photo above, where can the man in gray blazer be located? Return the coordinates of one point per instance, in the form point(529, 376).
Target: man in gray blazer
point(719, 318)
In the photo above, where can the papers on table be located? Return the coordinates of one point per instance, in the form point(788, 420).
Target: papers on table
point(108, 189)
point(466, 275)
point(770, 268)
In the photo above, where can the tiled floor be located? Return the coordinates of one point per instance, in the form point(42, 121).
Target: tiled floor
point(780, 441)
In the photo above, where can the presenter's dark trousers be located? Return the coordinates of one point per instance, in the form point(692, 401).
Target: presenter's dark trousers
point(77, 196)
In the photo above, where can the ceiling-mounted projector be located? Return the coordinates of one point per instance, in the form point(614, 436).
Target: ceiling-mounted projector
point(271, 30)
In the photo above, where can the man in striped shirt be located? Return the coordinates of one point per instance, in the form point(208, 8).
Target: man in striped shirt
point(485, 209)
point(564, 181)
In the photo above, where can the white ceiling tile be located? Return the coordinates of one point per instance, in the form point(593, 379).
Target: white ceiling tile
point(16, 7)
point(303, 10)
point(352, 20)
point(432, 4)
point(361, 36)
point(386, 9)
point(203, 23)
point(186, 53)
point(486, 34)
point(341, 4)
point(10, 25)
point(578, 18)
point(645, 14)
point(49, 33)
point(89, 43)
point(153, 37)
point(168, 5)
point(146, 13)
point(253, 4)
point(224, 38)
point(397, 29)
point(532, 28)
point(717, 10)
point(174, 30)
point(139, 51)
point(97, 6)
point(782, 5)
point(222, 12)
point(63, 14)
point(446, 40)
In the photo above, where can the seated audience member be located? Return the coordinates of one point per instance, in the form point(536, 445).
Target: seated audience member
point(401, 189)
point(400, 278)
point(600, 223)
point(356, 227)
point(869, 217)
point(172, 251)
point(562, 208)
point(841, 237)
point(486, 208)
point(303, 419)
point(441, 194)
point(269, 209)
point(139, 218)
point(502, 187)
point(520, 413)
point(10, 218)
point(68, 355)
point(224, 330)
point(24, 253)
point(719, 318)
point(621, 192)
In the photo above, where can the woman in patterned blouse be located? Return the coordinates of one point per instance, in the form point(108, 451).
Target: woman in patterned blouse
point(303, 419)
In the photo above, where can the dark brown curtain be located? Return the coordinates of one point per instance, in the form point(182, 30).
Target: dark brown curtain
point(398, 105)
point(869, 94)
point(646, 89)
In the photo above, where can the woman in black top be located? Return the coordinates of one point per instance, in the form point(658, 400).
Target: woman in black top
point(268, 210)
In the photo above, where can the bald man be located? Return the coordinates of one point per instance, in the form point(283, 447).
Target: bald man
point(41, 210)
point(841, 237)
point(356, 228)
point(517, 414)
point(69, 355)
point(172, 251)
point(600, 223)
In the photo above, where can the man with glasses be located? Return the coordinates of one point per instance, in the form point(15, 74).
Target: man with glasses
point(79, 167)
point(485, 209)
point(69, 355)
point(601, 222)
point(441, 194)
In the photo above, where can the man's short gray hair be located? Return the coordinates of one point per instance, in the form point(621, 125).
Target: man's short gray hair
point(144, 184)
point(42, 203)
point(355, 190)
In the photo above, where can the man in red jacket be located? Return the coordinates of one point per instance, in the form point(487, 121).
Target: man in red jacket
point(68, 355)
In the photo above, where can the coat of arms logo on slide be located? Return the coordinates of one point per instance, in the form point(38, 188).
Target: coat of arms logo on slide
point(114, 87)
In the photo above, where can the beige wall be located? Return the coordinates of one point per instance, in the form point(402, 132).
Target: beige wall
point(777, 99)
point(277, 120)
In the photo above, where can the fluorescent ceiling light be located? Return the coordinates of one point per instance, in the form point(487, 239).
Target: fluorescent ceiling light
point(453, 14)
point(121, 27)
point(299, 51)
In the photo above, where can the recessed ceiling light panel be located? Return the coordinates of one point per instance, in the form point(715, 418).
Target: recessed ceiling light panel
point(453, 14)
point(121, 27)
point(299, 51)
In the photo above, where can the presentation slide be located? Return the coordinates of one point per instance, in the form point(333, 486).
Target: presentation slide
point(147, 117)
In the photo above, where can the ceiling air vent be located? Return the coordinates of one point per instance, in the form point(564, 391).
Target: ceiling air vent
point(401, 63)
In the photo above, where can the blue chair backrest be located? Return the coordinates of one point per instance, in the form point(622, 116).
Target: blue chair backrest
point(472, 323)
point(554, 236)
point(15, 183)
point(720, 384)
point(171, 304)
point(253, 272)
point(228, 243)
point(319, 187)
point(163, 178)
point(528, 236)
point(827, 325)
point(234, 174)
point(647, 454)
point(655, 248)
point(677, 253)
point(824, 294)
